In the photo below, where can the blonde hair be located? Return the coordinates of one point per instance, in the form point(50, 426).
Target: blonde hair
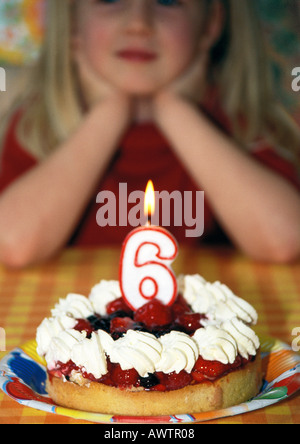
point(246, 84)
point(52, 108)
point(238, 68)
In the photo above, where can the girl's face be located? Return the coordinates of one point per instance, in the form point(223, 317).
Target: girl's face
point(139, 46)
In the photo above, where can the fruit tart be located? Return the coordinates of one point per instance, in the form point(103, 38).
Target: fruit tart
point(200, 354)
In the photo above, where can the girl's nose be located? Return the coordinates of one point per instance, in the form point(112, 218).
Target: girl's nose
point(139, 17)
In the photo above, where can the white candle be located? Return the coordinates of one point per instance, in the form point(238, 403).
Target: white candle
point(145, 265)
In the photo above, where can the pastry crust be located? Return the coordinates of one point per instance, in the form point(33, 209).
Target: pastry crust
point(233, 389)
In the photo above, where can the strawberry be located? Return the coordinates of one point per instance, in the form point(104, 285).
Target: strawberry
point(158, 388)
point(162, 378)
point(189, 321)
point(84, 325)
point(107, 379)
point(154, 314)
point(210, 370)
point(176, 381)
point(124, 378)
point(173, 381)
point(118, 305)
point(63, 369)
point(180, 306)
point(121, 325)
point(198, 377)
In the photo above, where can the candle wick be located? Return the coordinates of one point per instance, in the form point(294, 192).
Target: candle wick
point(149, 219)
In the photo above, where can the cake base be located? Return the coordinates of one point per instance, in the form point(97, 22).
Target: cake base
point(235, 388)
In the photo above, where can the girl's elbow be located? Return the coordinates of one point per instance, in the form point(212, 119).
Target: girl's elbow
point(287, 254)
point(22, 253)
point(283, 249)
point(16, 255)
point(287, 249)
point(11, 258)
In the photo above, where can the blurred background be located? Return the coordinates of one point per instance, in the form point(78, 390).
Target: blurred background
point(22, 26)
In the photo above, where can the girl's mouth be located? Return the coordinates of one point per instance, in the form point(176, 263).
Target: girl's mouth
point(137, 55)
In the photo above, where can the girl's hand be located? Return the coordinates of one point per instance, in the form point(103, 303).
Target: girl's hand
point(94, 88)
point(190, 86)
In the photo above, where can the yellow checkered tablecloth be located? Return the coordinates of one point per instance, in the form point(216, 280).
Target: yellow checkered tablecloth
point(26, 297)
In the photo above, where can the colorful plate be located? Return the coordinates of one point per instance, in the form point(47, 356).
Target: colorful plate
point(23, 378)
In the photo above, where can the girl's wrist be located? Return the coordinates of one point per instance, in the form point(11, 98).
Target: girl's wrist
point(166, 103)
point(117, 108)
point(162, 103)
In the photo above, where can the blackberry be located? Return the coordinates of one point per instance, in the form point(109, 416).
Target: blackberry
point(149, 381)
point(117, 335)
point(100, 323)
point(159, 332)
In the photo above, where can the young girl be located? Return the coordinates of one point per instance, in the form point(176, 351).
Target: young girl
point(127, 90)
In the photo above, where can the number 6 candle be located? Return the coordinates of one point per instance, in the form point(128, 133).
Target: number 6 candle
point(145, 265)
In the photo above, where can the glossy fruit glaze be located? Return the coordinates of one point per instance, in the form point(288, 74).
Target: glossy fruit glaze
point(158, 320)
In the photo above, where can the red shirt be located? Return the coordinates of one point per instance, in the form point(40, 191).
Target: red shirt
point(144, 154)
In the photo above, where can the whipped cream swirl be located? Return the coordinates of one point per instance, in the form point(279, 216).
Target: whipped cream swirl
point(215, 300)
point(104, 293)
point(138, 350)
point(89, 354)
point(179, 352)
point(60, 347)
point(51, 328)
point(75, 306)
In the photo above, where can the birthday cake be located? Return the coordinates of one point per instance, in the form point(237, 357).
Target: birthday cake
point(198, 353)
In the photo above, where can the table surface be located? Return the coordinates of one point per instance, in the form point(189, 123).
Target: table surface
point(26, 297)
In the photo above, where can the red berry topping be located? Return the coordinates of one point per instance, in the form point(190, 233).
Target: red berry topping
point(121, 325)
point(124, 378)
point(173, 381)
point(107, 379)
point(154, 314)
point(118, 305)
point(176, 381)
point(189, 321)
point(209, 370)
point(63, 369)
point(84, 325)
point(180, 306)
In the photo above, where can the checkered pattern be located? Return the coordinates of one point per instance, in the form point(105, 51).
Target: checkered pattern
point(26, 297)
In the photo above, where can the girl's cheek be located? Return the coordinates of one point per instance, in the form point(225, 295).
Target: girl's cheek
point(182, 43)
point(94, 42)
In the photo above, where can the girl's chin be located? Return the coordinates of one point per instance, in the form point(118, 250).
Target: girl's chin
point(139, 92)
point(139, 88)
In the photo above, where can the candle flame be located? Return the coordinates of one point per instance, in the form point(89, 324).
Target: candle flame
point(149, 203)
